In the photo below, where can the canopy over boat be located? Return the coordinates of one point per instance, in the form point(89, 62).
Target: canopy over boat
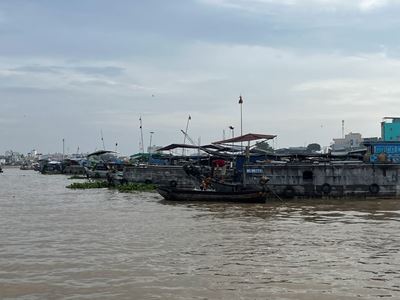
point(100, 152)
point(247, 138)
point(175, 146)
point(186, 146)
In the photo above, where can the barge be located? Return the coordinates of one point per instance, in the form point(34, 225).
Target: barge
point(326, 179)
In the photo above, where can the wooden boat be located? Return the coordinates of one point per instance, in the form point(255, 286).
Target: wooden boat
point(211, 196)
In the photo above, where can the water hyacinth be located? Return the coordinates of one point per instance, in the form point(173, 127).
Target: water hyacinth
point(77, 177)
point(89, 185)
point(124, 188)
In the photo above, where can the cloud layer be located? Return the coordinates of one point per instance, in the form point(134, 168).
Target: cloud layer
point(301, 66)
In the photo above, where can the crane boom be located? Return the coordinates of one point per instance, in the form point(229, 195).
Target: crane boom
point(189, 138)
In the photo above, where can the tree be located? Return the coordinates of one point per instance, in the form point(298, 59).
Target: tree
point(264, 146)
point(314, 147)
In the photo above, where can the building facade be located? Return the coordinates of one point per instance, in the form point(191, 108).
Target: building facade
point(390, 129)
point(349, 142)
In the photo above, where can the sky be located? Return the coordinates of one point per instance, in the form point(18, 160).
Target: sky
point(75, 69)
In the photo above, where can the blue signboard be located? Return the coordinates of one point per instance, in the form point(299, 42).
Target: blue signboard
point(388, 149)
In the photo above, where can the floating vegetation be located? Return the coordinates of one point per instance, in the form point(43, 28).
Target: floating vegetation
point(135, 187)
point(88, 185)
point(77, 177)
point(123, 188)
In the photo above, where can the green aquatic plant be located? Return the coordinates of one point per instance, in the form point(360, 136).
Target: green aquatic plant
point(135, 187)
point(123, 188)
point(77, 177)
point(88, 185)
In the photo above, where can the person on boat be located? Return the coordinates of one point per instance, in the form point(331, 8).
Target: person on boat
point(219, 166)
point(205, 183)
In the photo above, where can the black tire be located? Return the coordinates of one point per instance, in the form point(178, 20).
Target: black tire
point(326, 189)
point(289, 192)
point(374, 189)
point(173, 183)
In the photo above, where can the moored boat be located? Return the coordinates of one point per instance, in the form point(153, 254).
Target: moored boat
point(211, 196)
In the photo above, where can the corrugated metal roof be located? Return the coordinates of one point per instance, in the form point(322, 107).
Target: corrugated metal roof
point(174, 146)
point(247, 138)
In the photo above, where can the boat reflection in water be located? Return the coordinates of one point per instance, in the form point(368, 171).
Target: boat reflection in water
point(213, 196)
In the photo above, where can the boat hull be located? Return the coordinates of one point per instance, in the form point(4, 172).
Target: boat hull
point(212, 196)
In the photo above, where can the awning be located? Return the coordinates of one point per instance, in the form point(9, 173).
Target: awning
point(100, 152)
point(247, 138)
point(175, 146)
point(204, 147)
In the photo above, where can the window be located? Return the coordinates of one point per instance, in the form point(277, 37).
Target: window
point(308, 175)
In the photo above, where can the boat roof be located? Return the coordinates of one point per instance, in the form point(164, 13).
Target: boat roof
point(186, 146)
point(175, 146)
point(100, 152)
point(247, 138)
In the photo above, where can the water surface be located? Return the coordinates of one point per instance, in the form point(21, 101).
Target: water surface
point(57, 243)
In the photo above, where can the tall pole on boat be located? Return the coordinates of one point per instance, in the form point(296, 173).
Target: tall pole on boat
point(184, 136)
point(198, 150)
point(233, 133)
point(141, 135)
point(150, 149)
point(102, 139)
point(63, 141)
point(241, 119)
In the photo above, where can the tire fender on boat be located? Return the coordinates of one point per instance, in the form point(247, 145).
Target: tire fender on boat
point(173, 183)
point(289, 192)
point(326, 188)
point(374, 188)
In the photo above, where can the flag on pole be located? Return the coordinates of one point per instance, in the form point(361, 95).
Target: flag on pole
point(240, 99)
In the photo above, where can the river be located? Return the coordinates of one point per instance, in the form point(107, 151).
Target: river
point(57, 243)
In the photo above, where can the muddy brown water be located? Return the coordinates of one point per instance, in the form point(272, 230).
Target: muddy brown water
point(57, 243)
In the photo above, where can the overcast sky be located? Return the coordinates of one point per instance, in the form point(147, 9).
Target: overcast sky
point(71, 69)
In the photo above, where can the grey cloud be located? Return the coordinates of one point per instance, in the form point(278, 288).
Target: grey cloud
point(25, 90)
point(110, 71)
point(152, 29)
point(196, 58)
point(106, 71)
point(37, 69)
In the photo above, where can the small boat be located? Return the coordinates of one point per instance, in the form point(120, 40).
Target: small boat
point(211, 196)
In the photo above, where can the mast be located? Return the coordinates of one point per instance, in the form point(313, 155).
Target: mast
point(150, 149)
point(141, 135)
point(63, 142)
point(184, 136)
point(102, 139)
point(241, 119)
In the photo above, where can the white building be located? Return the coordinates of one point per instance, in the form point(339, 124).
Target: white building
point(350, 141)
